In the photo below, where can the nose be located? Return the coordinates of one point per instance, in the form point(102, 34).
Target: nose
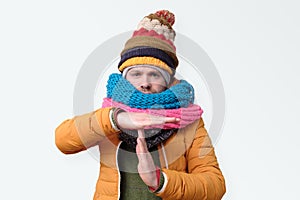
point(145, 83)
point(145, 86)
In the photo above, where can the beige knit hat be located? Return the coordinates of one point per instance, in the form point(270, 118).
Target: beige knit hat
point(152, 43)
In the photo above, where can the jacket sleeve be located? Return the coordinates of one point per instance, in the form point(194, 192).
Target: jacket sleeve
point(203, 180)
point(84, 131)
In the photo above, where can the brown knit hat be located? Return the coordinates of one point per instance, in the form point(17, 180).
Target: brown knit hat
point(152, 43)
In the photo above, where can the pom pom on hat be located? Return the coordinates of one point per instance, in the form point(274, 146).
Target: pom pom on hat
point(167, 15)
point(152, 43)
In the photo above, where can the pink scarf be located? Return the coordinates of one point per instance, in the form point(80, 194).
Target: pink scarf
point(186, 115)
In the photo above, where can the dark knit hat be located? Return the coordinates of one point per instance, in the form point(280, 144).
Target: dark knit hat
point(152, 43)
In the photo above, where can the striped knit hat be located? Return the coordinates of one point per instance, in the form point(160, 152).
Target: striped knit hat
point(152, 43)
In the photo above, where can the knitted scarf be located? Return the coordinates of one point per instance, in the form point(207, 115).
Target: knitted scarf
point(176, 101)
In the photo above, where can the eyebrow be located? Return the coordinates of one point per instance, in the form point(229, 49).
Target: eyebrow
point(141, 70)
point(134, 70)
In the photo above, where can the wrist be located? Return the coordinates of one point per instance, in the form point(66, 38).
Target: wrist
point(160, 181)
point(113, 118)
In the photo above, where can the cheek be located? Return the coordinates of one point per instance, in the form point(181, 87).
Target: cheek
point(159, 86)
point(162, 83)
point(135, 83)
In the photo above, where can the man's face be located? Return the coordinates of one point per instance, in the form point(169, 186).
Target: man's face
point(146, 79)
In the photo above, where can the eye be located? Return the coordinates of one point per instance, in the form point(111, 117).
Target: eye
point(135, 74)
point(155, 75)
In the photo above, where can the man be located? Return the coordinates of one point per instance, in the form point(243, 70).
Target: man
point(151, 137)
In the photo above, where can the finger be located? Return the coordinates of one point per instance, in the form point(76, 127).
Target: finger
point(141, 138)
point(141, 146)
point(171, 119)
point(138, 146)
point(141, 142)
point(141, 133)
point(162, 119)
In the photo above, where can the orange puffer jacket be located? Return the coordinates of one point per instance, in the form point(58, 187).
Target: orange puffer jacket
point(187, 158)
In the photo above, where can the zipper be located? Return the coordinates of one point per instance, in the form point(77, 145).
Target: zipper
point(119, 174)
point(165, 155)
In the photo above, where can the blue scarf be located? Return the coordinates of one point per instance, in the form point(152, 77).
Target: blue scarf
point(120, 90)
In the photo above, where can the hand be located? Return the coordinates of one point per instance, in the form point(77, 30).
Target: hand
point(146, 167)
point(131, 120)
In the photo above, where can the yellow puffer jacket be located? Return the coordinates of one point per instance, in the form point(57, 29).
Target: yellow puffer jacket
point(187, 158)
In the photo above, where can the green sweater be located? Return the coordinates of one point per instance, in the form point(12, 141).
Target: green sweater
point(132, 186)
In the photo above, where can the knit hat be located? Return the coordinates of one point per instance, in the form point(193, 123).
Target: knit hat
point(152, 44)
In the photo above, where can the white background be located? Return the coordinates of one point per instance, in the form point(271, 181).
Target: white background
point(254, 44)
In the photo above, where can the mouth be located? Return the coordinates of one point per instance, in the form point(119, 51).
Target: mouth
point(147, 91)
